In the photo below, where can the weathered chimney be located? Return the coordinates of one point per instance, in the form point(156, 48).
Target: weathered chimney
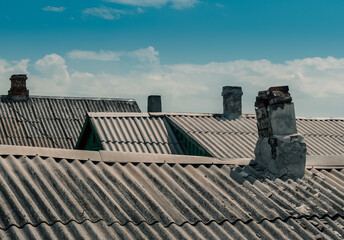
point(231, 102)
point(154, 103)
point(18, 90)
point(279, 147)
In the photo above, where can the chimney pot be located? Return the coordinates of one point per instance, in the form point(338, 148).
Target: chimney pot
point(232, 102)
point(18, 90)
point(279, 147)
point(154, 103)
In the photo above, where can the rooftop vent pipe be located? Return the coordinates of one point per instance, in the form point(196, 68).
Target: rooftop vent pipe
point(280, 149)
point(18, 90)
point(231, 102)
point(154, 103)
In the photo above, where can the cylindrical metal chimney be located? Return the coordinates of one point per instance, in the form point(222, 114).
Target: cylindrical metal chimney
point(154, 103)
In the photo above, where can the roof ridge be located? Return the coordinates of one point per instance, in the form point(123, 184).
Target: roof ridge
point(116, 114)
point(77, 98)
point(320, 118)
point(322, 135)
point(145, 142)
point(335, 161)
point(214, 132)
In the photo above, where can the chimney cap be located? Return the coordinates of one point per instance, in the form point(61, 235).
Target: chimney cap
point(274, 95)
point(18, 76)
point(231, 90)
point(154, 96)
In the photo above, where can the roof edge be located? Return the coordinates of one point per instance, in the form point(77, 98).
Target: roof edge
point(79, 98)
point(325, 161)
point(107, 156)
point(319, 118)
point(49, 152)
point(175, 114)
point(145, 114)
point(116, 114)
point(312, 161)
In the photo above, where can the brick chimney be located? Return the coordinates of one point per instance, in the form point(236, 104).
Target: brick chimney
point(18, 90)
point(231, 102)
point(154, 103)
point(280, 149)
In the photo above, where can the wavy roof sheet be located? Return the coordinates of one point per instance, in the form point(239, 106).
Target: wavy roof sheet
point(135, 133)
point(49, 193)
point(224, 138)
point(53, 122)
point(313, 228)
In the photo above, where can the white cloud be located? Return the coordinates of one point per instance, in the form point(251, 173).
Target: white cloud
point(9, 68)
point(177, 4)
point(91, 55)
point(53, 9)
point(149, 55)
point(53, 77)
point(316, 84)
point(82, 75)
point(144, 55)
point(14, 67)
point(104, 12)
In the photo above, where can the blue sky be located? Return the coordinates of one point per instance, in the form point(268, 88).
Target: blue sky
point(185, 50)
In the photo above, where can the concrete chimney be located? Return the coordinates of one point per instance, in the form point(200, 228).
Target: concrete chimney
point(231, 102)
point(280, 149)
point(18, 90)
point(154, 103)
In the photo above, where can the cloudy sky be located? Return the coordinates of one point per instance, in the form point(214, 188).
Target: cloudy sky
point(185, 50)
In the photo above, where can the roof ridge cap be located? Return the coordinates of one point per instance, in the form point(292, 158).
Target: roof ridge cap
point(79, 98)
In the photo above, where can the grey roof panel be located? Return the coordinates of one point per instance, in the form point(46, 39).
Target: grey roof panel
point(57, 197)
point(49, 121)
point(57, 194)
point(224, 138)
point(135, 133)
point(37, 190)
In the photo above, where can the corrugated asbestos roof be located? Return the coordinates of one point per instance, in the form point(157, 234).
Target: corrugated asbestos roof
point(135, 133)
point(53, 122)
point(224, 138)
point(220, 137)
point(45, 195)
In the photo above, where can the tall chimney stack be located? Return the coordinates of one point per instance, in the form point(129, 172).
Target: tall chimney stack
point(280, 149)
point(18, 90)
point(154, 103)
point(231, 102)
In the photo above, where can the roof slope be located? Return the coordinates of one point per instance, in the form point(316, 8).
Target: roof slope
point(52, 121)
point(134, 132)
point(224, 138)
point(210, 133)
point(80, 193)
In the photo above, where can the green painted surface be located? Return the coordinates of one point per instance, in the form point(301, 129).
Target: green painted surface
point(89, 139)
point(92, 143)
point(189, 147)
